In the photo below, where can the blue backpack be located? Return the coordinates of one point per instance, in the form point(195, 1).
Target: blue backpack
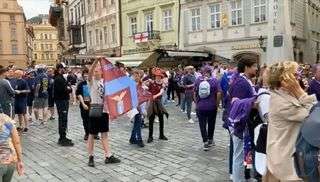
point(306, 156)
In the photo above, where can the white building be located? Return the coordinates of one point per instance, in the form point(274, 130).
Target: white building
point(231, 28)
point(77, 26)
point(102, 27)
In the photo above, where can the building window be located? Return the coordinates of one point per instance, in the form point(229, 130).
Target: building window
point(215, 16)
point(51, 47)
point(82, 9)
point(104, 3)
point(47, 46)
point(89, 6)
point(105, 32)
point(42, 47)
point(195, 19)
point(112, 2)
point(97, 37)
point(95, 5)
point(71, 16)
point(35, 56)
point(47, 56)
point(45, 36)
point(259, 10)
point(12, 19)
point(41, 36)
point(13, 33)
point(51, 56)
point(101, 38)
point(90, 38)
point(35, 46)
point(50, 36)
point(113, 33)
point(236, 12)
point(14, 48)
point(149, 22)
point(167, 20)
point(133, 25)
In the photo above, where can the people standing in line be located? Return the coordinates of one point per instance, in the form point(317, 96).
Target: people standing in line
point(72, 80)
point(41, 96)
point(293, 105)
point(61, 93)
point(7, 94)
point(241, 87)
point(188, 83)
point(314, 85)
point(30, 78)
point(20, 105)
point(51, 113)
point(171, 86)
point(155, 107)
point(207, 97)
point(98, 122)
point(136, 137)
point(10, 149)
point(83, 94)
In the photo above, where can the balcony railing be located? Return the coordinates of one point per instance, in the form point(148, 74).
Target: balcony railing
point(146, 36)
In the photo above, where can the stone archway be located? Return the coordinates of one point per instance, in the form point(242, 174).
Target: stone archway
point(246, 54)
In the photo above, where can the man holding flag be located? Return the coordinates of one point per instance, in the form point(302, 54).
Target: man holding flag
point(98, 115)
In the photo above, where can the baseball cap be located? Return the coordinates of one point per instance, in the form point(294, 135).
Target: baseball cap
point(60, 65)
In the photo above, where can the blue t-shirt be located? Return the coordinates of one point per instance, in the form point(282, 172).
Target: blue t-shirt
point(32, 85)
point(21, 84)
point(42, 80)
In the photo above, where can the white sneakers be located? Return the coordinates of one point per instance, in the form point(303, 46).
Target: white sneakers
point(190, 121)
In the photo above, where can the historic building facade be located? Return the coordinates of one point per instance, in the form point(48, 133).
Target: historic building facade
point(231, 28)
point(13, 49)
point(45, 45)
point(103, 27)
point(155, 25)
point(29, 44)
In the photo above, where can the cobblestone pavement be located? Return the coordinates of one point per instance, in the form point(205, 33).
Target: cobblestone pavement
point(179, 159)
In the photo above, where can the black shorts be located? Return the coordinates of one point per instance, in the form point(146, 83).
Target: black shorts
point(99, 125)
point(50, 102)
point(20, 106)
point(30, 101)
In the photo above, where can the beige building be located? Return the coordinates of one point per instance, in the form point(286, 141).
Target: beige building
point(29, 44)
point(45, 45)
point(102, 27)
point(13, 49)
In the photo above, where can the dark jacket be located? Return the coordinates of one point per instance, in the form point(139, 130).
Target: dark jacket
point(60, 88)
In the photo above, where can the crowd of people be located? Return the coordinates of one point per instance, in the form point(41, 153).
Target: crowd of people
point(263, 107)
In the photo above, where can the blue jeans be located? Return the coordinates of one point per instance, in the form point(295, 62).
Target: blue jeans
point(183, 101)
point(238, 158)
point(136, 130)
point(188, 100)
point(164, 98)
point(62, 107)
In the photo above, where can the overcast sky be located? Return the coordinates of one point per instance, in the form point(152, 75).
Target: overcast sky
point(34, 7)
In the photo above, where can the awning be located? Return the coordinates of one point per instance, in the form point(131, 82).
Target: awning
point(187, 54)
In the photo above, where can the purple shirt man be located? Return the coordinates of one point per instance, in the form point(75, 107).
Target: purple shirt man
point(209, 103)
point(314, 85)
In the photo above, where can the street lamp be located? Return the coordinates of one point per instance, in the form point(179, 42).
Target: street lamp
point(261, 44)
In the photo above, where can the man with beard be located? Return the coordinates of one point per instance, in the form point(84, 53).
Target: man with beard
point(61, 97)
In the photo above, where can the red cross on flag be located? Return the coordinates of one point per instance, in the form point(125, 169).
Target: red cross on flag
point(141, 37)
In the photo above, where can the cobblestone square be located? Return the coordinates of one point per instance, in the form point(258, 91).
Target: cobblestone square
point(179, 159)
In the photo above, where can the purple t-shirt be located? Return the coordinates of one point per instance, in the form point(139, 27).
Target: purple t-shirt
point(314, 88)
point(209, 103)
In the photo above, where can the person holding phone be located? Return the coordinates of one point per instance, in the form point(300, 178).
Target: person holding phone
point(292, 106)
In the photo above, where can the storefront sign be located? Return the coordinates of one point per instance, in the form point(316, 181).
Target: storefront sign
point(137, 50)
point(245, 46)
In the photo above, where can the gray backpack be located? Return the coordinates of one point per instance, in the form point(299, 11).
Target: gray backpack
point(204, 89)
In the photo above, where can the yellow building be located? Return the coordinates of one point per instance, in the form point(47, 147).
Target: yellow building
point(45, 44)
point(13, 49)
point(148, 25)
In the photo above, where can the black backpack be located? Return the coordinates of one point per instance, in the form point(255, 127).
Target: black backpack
point(306, 156)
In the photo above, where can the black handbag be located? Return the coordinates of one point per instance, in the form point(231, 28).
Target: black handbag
point(96, 110)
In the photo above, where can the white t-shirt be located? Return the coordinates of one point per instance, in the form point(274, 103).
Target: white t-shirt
point(96, 91)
